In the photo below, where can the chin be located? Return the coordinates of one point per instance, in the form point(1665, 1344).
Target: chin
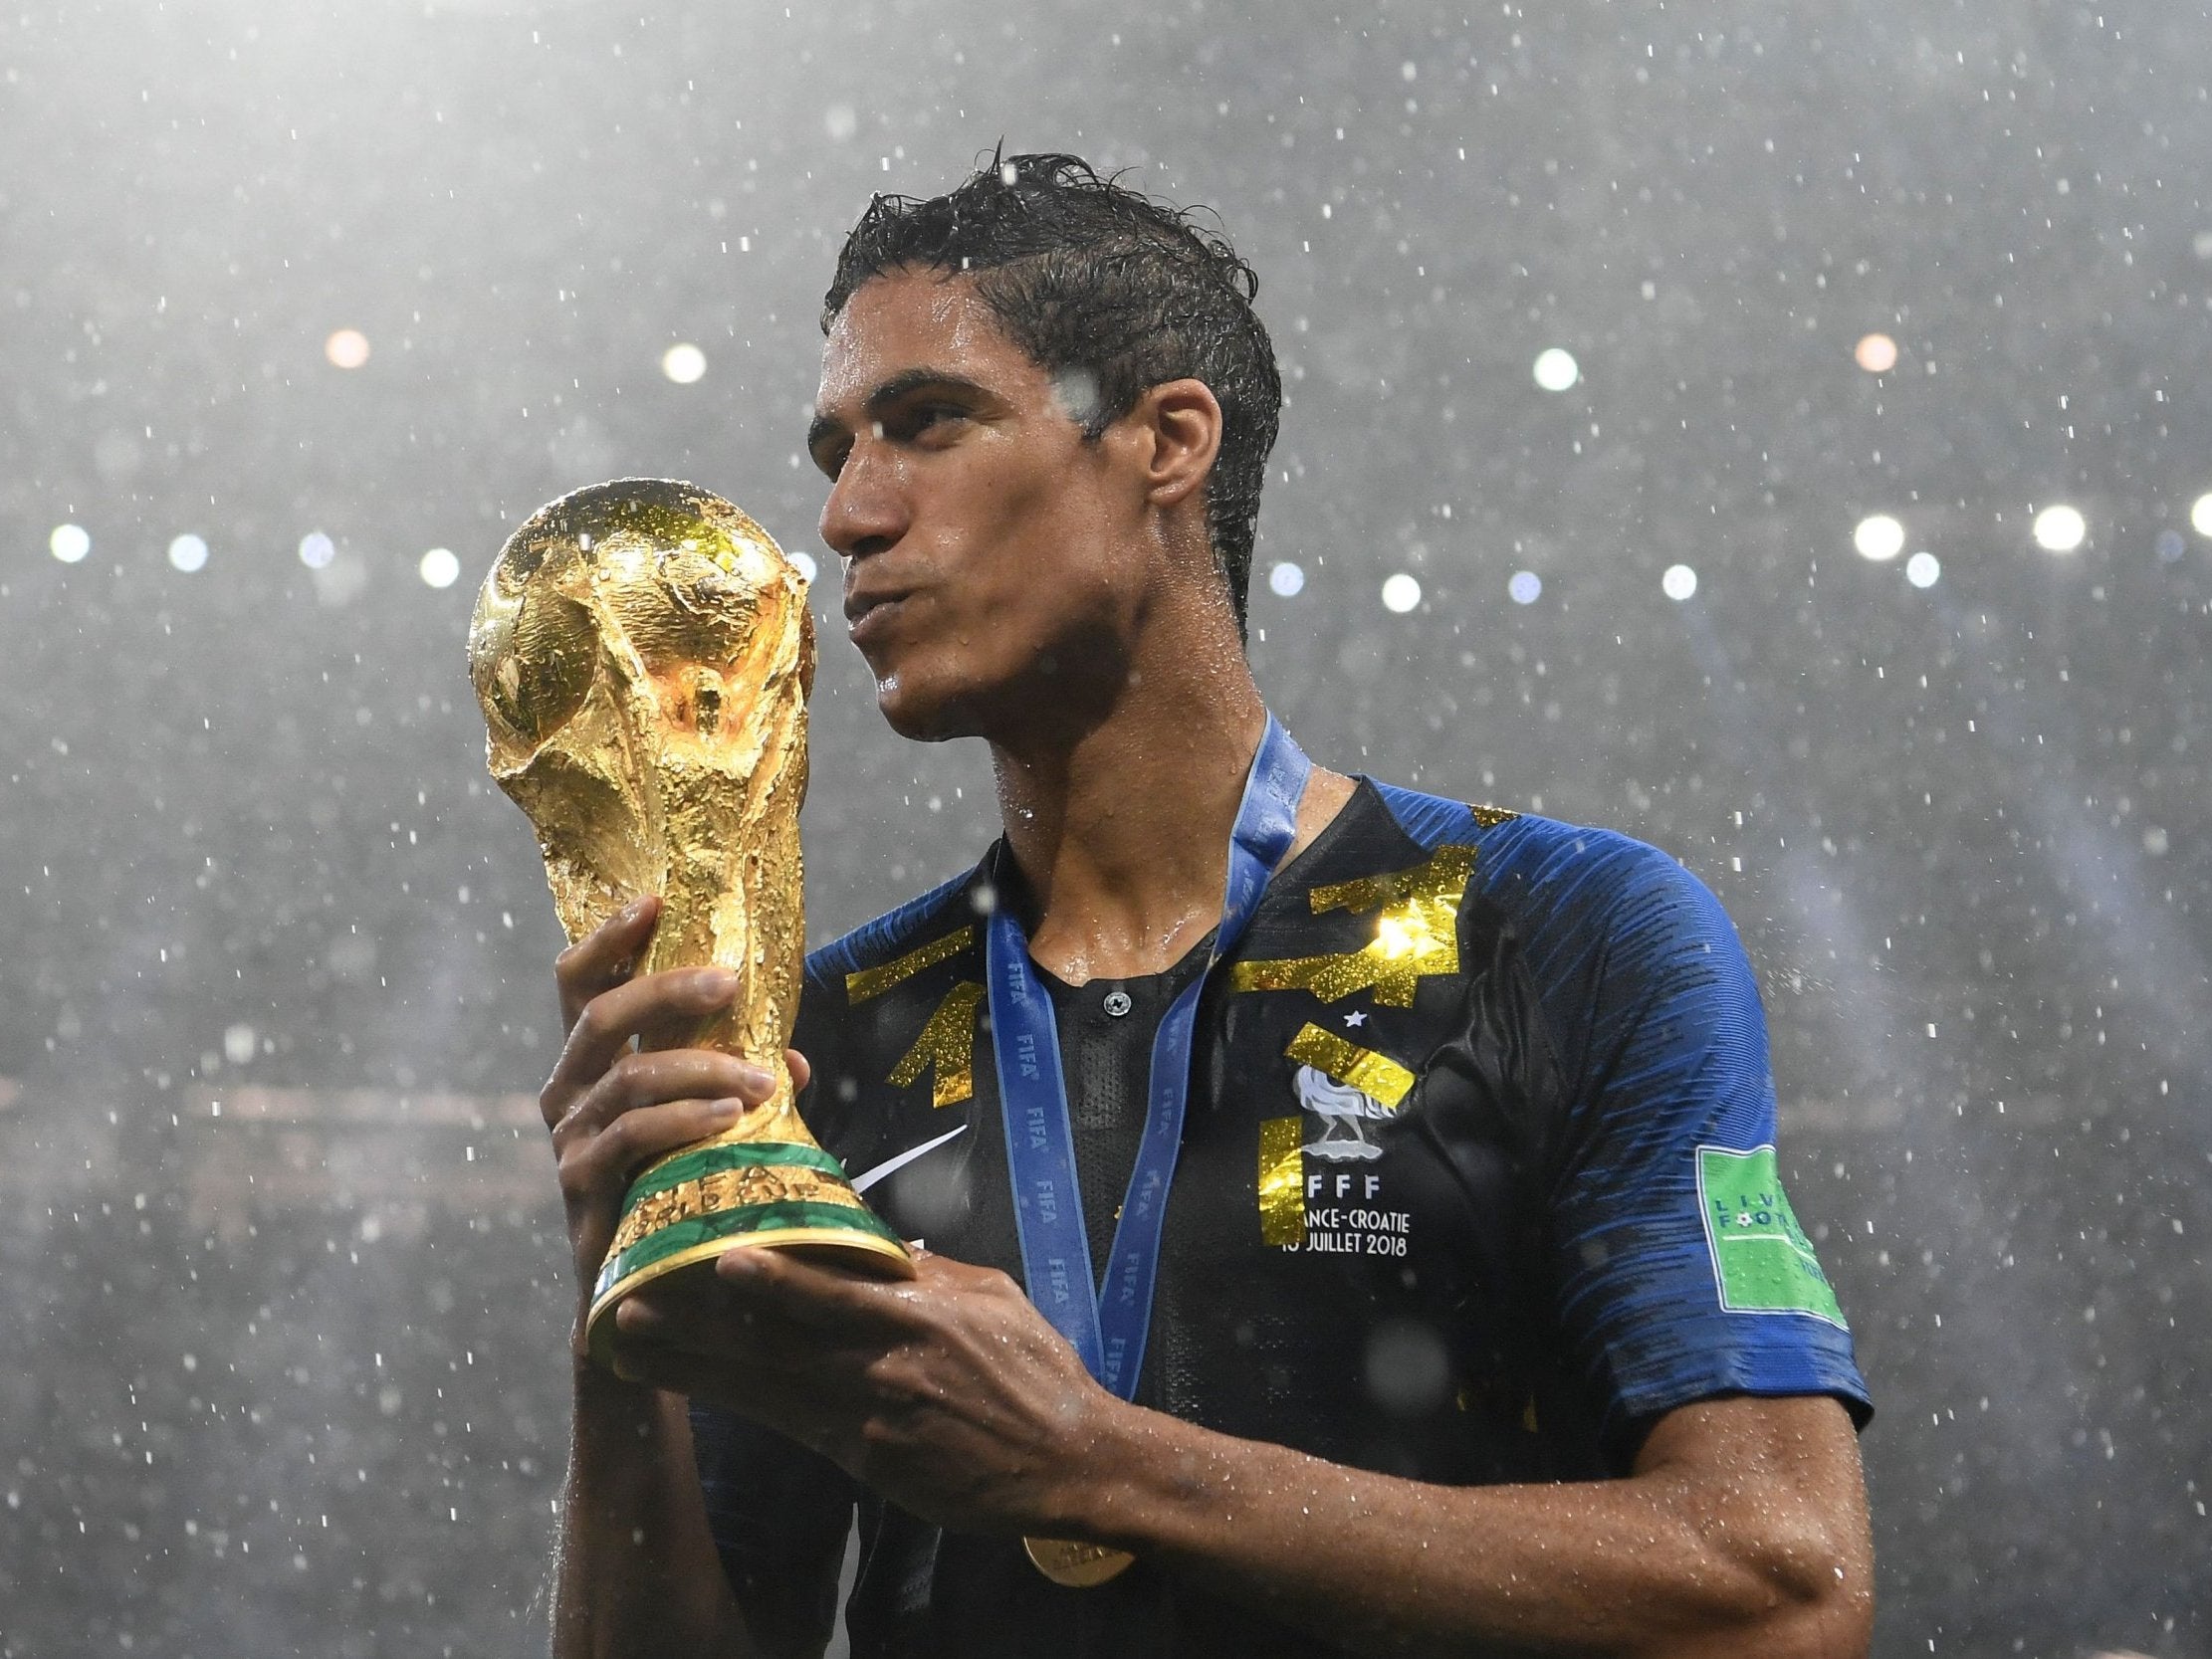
point(998, 699)
point(922, 713)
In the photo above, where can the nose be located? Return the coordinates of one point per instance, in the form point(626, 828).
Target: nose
point(866, 512)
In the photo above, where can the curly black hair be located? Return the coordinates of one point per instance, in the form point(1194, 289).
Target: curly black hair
point(1107, 289)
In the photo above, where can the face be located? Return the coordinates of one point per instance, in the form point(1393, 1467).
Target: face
point(996, 565)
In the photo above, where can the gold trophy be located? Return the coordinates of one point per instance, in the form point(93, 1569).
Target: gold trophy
point(643, 653)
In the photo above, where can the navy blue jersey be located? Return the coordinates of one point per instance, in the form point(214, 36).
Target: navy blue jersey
point(1477, 1181)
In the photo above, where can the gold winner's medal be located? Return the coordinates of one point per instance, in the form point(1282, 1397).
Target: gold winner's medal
point(1079, 1566)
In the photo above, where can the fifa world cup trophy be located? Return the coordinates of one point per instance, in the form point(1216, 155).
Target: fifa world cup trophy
point(643, 653)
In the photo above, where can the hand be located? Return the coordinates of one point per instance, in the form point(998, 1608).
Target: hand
point(613, 1109)
point(951, 1395)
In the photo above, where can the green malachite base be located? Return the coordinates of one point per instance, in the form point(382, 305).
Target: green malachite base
point(692, 1206)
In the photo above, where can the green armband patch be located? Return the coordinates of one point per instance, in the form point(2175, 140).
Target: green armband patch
point(1762, 1261)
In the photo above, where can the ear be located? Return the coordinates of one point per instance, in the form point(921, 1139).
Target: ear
point(1179, 427)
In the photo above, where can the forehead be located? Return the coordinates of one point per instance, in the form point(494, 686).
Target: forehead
point(910, 320)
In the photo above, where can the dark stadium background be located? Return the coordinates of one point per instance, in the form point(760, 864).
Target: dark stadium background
point(281, 1267)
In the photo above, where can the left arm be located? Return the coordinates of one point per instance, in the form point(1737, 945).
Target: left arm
point(1743, 1518)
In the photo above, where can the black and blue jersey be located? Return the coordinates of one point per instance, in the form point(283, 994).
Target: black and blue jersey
point(1477, 1181)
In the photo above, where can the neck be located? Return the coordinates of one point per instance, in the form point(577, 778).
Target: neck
point(1120, 819)
point(1121, 828)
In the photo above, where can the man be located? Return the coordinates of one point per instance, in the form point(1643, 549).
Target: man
point(1475, 1321)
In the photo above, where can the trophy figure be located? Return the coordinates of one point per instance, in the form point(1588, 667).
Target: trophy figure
point(643, 653)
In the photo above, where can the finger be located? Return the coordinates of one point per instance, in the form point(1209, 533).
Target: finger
point(689, 1300)
point(674, 1026)
point(599, 1166)
point(677, 1073)
point(608, 1022)
point(822, 1298)
point(748, 1352)
point(660, 1368)
point(701, 1319)
point(642, 1320)
point(795, 1063)
point(605, 957)
point(791, 1408)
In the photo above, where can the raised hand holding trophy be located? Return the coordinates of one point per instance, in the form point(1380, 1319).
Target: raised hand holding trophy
point(643, 653)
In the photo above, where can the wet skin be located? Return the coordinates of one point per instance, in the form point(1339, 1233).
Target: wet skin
point(1008, 580)
point(995, 562)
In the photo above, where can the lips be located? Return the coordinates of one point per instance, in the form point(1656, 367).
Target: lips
point(868, 613)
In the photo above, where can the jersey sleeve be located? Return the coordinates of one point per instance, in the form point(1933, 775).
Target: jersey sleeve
point(778, 1515)
point(1682, 1272)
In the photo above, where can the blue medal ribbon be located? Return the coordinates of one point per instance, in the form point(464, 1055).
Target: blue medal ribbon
point(1107, 1324)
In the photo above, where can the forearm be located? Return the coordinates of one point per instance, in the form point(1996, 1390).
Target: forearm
point(1649, 1566)
point(636, 1572)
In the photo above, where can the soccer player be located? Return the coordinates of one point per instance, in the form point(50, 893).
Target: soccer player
point(1350, 1217)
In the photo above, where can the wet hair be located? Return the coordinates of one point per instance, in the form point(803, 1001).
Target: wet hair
point(1109, 291)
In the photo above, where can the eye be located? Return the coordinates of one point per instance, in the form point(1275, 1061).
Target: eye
point(929, 417)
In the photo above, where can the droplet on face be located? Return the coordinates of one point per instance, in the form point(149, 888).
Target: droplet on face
point(1075, 390)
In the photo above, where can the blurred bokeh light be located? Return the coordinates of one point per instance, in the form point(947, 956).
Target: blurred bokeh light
point(346, 348)
point(2060, 530)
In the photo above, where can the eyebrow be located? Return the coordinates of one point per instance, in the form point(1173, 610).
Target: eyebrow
point(885, 396)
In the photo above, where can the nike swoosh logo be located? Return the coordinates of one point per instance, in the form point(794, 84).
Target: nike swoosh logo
point(891, 1167)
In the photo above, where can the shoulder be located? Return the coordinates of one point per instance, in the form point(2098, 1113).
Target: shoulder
point(1555, 880)
point(889, 1004)
point(932, 927)
point(1615, 935)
